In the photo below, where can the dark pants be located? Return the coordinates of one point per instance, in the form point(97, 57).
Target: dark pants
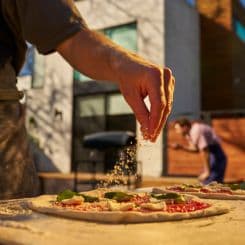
point(218, 161)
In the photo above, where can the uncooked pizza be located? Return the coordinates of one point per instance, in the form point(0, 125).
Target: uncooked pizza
point(212, 191)
point(117, 206)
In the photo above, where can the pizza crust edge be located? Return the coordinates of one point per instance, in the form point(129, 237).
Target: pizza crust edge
point(42, 204)
point(220, 196)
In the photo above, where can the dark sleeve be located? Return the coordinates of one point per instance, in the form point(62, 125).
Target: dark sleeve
point(47, 23)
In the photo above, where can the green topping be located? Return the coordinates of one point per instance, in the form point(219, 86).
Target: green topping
point(167, 196)
point(171, 195)
point(67, 194)
point(234, 186)
point(89, 198)
point(242, 186)
point(192, 186)
point(118, 196)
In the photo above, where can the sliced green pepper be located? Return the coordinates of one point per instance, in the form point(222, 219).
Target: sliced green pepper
point(171, 195)
point(89, 198)
point(118, 196)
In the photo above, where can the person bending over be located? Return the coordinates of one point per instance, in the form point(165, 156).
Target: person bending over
point(202, 139)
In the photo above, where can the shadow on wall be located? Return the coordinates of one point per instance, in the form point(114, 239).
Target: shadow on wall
point(46, 122)
point(42, 162)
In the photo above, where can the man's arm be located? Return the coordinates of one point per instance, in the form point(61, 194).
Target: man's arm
point(96, 56)
point(189, 148)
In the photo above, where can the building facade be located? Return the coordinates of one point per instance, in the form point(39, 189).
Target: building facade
point(222, 81)
point(222, 25)
point(64, 105)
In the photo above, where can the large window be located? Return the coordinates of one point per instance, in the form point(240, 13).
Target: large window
point(27, 68)
point(98, 113)
point(104, 110)
point(34, 67)
point(124, 35)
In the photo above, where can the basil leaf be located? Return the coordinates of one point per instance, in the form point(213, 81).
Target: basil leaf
point(89, 198)
point(118, 196)
point(66, 194)
point(242, 186)
point(234, 186)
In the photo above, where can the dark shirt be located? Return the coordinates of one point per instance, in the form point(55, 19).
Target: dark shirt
point(44, 23)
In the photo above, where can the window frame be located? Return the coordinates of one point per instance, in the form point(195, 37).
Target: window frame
point(88, 79)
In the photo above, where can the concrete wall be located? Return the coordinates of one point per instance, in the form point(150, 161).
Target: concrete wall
point(149, 16)
point(182, 55)
point(52, 133)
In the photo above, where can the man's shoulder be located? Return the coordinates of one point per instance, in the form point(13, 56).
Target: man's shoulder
point(196, 126)
point(200, 126)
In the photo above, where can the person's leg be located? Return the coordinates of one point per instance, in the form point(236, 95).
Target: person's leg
point(212, 177)
point(222, 169)
point(216, 174)
point(18, 177)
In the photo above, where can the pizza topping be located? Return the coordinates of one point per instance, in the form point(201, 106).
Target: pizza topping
point(88, 198)
point(154, 200)
point(75, 200)
point(118, 196)
point(185, 188)
point(205, 190)
point(190, 206)
point(123, 201)
point(154, 206)
point(233, 186)
point(236, 186)
point(93, 207)
point(115, 206)
point(212, 188)
point(170, 197)
point(176, 188)
point(216, 190)
point(67, 195)
point(196, 186)
point(141, 198)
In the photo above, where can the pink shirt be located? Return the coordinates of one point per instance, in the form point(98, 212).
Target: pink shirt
point(202, 135)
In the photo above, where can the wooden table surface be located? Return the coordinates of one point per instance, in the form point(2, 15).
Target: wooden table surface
point(19, 225)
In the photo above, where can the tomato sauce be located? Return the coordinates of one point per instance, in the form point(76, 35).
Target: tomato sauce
point(190, 206)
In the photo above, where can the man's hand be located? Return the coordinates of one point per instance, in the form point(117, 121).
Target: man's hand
point(140, 81)
point(99, 58)
point(175, 146)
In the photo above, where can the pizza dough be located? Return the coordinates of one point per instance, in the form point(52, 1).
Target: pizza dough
point(48, 204)
point(212, 191)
